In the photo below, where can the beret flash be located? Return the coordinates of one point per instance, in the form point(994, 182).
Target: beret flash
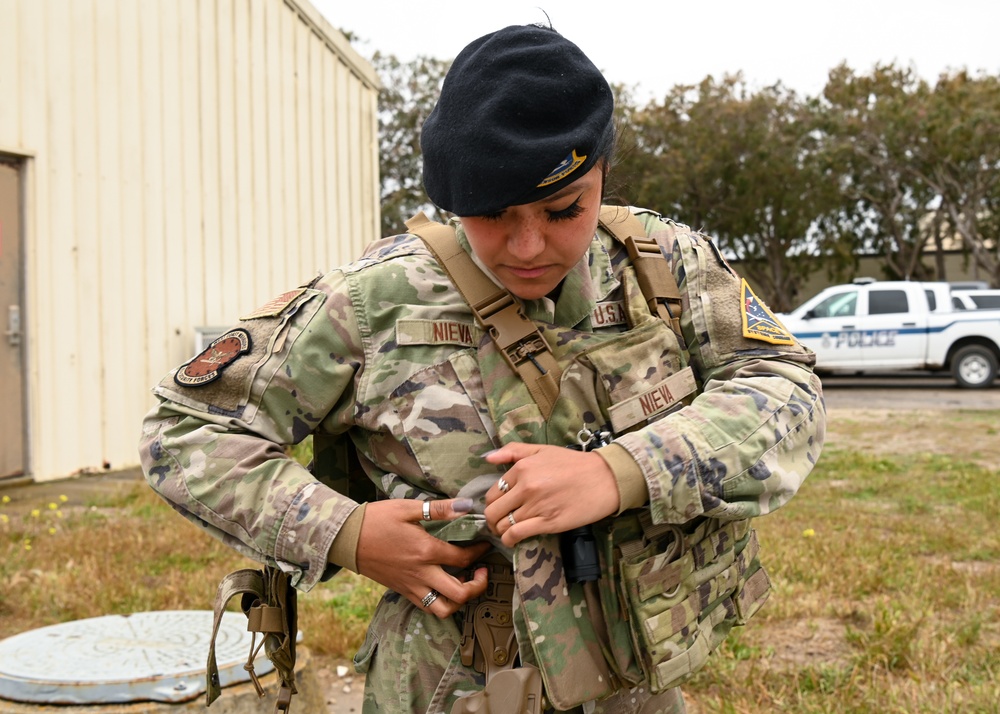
point(522, 113)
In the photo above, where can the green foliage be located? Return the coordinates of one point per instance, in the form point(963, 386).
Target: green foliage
point(409, 92)
point(881, 163)
point(738, 164)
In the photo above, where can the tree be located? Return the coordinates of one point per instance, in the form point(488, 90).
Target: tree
point(409, 92)
point(959, 158)
point(868, 129)
point(739, 166)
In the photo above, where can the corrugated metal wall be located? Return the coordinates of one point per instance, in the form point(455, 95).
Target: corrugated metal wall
point(188, 160)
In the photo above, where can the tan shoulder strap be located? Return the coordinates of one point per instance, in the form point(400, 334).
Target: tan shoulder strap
point(655, 279)
point(514, 334)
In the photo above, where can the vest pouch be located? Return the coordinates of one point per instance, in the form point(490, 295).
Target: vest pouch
point(613, 607)
point(685, 591)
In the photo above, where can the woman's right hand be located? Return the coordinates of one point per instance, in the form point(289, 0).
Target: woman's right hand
point(394, 550)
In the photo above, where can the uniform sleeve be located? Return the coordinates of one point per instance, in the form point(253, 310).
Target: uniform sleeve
point(214, 446)
point(748, 440)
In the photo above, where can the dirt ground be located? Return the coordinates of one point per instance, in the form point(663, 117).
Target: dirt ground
point(883, 432)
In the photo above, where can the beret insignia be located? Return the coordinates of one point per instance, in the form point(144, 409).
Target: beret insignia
point(207, 366)
point(567, 166)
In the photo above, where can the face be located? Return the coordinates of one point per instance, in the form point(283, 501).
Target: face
point(530, 248)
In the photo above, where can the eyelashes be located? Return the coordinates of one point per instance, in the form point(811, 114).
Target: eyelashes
point(571, 211)
point(574, 210)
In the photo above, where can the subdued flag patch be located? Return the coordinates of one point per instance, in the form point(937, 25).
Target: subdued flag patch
point(275, 306)
point(759, 323)
point(207, 366)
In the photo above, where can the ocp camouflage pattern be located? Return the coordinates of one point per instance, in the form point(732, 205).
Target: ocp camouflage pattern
point(384, 352)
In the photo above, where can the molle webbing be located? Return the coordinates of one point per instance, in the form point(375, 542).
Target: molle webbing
point(652, 271)
point(684, 591)
point(514, 334)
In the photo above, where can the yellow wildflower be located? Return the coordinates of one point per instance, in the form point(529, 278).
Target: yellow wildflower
point(63, 499)
point(4, 518)
point(808, 533)
point(52, 531)
point(53, 506)
point(5, 499)
point(35, 513)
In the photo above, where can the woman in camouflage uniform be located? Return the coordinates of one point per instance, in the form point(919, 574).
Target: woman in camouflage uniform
point(698, 429)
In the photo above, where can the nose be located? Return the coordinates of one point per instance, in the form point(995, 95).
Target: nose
point(527, 239)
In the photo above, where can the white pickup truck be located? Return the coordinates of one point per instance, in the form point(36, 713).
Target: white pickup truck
point(884, 326)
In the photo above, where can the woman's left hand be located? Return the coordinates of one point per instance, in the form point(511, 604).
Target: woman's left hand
point(550, 490)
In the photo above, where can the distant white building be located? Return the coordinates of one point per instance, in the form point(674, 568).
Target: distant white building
point(165, 165)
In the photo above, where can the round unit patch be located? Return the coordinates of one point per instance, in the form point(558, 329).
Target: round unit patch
point(207, 366)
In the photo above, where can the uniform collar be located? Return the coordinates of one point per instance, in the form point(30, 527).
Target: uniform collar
point(589, 282)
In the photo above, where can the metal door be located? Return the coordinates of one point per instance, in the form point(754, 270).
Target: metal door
point(12, 421)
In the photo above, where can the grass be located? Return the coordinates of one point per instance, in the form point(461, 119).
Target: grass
point(885, 567)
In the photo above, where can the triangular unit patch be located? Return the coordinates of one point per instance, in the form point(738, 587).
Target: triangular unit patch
point(759, 323)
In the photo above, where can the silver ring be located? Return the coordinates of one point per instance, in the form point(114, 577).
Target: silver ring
point(427, 513)
point(510, 518)
point(503, 485)
point(429, 598)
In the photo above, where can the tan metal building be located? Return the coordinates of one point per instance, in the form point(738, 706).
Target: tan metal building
point(165, 165)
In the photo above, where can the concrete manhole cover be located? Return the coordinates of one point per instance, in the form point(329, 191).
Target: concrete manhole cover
point(146, 656)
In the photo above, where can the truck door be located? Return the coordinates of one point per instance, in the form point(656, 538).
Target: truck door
point(894, 333)
point(827, 329)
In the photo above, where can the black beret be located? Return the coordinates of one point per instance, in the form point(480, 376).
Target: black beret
point(522, 113)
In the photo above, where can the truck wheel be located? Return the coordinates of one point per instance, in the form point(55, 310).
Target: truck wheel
point(974, 367)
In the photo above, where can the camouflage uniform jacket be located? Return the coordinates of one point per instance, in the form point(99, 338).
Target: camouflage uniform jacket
point(385, 351)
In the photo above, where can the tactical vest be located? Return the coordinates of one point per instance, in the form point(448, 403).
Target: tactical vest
point(669, 594)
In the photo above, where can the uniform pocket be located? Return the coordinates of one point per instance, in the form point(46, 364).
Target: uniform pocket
point(755, 406)
point(442, 417)
point(641, 376)
point(366, 653)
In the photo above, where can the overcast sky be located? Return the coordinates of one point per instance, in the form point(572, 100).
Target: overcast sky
point(657, 44)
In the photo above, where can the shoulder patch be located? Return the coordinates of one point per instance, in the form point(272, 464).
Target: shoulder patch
point(758, 322)
point(275, 306)
point(207, 366)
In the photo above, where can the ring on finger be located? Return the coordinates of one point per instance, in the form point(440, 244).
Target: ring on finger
point(429, 598)
point(503, 485)
point(510, 518)
point(427, 513)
